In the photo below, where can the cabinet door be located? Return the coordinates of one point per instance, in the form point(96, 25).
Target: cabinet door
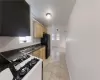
point(44, 29)
point(43, 53)
point(0, 16)
point(36, 27)
point(40, 53)
point(36, 54)
point(41, 56)
point(15, 18)
point(38, 33)
point(41, 32)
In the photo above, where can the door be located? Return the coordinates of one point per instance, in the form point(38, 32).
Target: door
point(58, 42)
point(35, 73)
point(58, 39)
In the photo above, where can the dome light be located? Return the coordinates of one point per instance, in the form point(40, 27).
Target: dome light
point(48, 15)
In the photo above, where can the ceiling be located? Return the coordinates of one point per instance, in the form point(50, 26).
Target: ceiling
point(60, 10)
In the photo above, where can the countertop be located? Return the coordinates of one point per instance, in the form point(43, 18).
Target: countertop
point(13, 54)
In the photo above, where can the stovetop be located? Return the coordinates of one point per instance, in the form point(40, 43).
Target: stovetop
point(26, 68)
point(20, 59)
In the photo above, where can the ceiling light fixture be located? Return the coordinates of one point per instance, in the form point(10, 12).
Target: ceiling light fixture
point(48, 15)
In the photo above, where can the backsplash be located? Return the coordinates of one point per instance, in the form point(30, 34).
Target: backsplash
point(10, 43)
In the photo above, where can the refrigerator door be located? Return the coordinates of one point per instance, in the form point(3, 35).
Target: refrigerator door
point(48, 46)
point(46, 41)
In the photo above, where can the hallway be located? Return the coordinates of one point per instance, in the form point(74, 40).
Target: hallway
point(55, 67)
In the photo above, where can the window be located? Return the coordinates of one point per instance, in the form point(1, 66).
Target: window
point(57, 37)
point(25, 39)
point(53, 37)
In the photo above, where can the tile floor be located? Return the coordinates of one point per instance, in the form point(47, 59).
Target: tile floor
point(54, 68)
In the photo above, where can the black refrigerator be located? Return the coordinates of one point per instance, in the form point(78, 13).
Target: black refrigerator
point(46, 41)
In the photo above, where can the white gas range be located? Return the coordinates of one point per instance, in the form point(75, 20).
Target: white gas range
point(27, 68)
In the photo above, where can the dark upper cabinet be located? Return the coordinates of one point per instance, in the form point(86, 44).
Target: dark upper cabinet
point(14, 18)
point(0, 16)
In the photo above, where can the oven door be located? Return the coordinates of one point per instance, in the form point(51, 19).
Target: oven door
point(6, 75)
point(35, 73)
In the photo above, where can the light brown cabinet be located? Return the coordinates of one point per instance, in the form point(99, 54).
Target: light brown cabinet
point(40, 53)
point(36, 53)
point(39, 30)
point(44, 29)
point(43, 53)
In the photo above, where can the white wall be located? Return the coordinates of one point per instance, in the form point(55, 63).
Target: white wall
point(83, 41)
point(9, 43)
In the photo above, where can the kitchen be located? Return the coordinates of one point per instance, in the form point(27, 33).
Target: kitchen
point(33, 40)
point(22, 46)
point(74, 28)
